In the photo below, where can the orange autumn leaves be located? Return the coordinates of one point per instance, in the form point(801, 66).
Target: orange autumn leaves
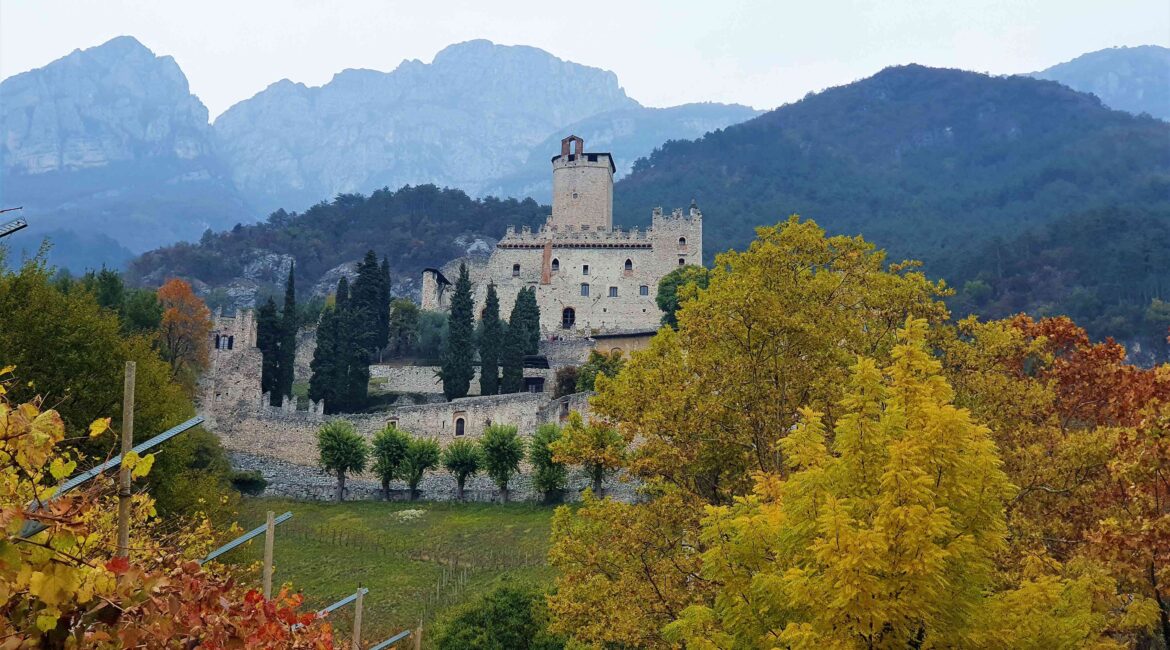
point(63, 588)
point(185, 329)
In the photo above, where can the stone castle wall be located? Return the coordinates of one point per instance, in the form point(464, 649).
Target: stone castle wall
point(421, 380)
point(559, 262)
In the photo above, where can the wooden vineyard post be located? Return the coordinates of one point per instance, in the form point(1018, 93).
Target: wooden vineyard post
point(124, 500)
point(357, 621)
point(269, 538)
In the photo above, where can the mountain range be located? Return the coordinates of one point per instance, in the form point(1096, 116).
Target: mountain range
point(1023, 194)
point(1131, 79)
point(112, 155)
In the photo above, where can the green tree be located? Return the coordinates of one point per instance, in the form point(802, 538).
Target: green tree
point(341, 451)
point(502, 453)
point(72, 351)
point(516, 341)
point(389, 451)
point(107, 288)
point(458, 356)
point(422, 455)
point(290, 323)
point(548, 475)
point(329, 365)
point(403, 328)
point(491, 332)
point(677, 286)
point(366, 295)
point(383, 312)
point(269, 330)
point(599, 364)
point(463, 459)
point(141, 312)
point(530, 318)
point(509, 617)
point(565, 382)
point(356, 357)
point(595, 446)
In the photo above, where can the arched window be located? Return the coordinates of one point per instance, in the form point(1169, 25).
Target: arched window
point(682, 242)
point(515, 270)
point(231, 341)
point(568, 317)
point(217, 341)
point(556, 265)
point(682, 262)
point(629, 265)
point(460, 423)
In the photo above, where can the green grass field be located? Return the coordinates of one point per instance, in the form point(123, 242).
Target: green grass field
point(417, 569)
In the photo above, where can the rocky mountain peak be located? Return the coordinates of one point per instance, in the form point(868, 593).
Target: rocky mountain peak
point(113, 102)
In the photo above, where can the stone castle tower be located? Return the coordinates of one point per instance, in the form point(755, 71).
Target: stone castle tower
point(590, 278)
point(582, 187)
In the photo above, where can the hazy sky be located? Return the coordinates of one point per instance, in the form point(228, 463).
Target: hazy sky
point(664, 53)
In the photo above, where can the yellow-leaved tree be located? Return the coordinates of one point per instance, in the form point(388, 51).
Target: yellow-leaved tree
point(881, 535)
point(709, 405)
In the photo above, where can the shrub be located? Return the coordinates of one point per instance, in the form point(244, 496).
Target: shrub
point(250, 482)
point(509, 617)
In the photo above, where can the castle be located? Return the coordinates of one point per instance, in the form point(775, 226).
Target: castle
point(590, 278)
point(595, 286)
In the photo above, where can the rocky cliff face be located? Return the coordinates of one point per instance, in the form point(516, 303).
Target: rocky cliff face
point(116, 102)
point(469, 116)
point(1131, 79)
point(110, 140)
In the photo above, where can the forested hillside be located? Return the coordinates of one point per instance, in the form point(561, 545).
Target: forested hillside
point(413, 227)
point(935, 165)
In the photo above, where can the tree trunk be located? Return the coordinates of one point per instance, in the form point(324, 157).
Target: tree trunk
point(598, 477)
point(340, 486)
point(459, 488)
point(504, 493)
point(1163, 605)
point(413, 491)
point(386, 489)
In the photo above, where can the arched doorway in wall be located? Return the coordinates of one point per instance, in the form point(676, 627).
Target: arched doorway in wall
point(568, 317)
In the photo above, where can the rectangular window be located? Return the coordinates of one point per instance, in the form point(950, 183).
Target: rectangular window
point(613, 292)
point(584, 269)
point(585, 289)
point(643, 290)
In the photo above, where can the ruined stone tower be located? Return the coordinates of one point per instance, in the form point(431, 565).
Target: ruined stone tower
point(582, 187)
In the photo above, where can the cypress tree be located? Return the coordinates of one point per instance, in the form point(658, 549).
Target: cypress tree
point(515, 342)
point(341, 297)
point(531, 319)
point(384, 306)
point(365, 303)
point(356, 357)
point(326, 363)
point(457, 370)
point(287, 347)
point(490, 343)
point(268, 329)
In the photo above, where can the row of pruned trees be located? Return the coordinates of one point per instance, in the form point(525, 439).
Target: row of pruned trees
point(395, 454)
point(501, 346)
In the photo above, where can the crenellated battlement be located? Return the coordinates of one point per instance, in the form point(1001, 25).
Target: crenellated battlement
point(574, 236)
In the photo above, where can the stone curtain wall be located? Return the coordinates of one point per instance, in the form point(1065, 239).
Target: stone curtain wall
point(419, 380)
point(282, 443)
